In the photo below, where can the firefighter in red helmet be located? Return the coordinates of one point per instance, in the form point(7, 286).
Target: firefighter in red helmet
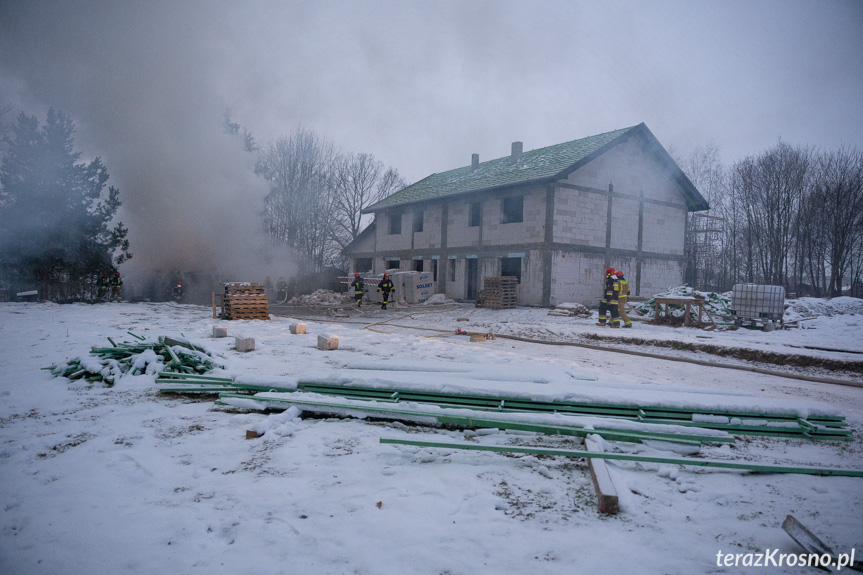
point(609, 301)
point(358, 288)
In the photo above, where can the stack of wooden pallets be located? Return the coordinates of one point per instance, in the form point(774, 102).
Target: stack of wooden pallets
point(499, 293)
point(242, 300)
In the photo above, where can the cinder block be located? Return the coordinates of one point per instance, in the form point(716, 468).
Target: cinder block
point(220, 331)
point(298, 328)
point(244, 343)
point(328, 342)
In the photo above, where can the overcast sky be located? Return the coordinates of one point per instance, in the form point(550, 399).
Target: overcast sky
point(423, 85)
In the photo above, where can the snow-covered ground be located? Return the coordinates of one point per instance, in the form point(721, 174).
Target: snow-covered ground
point(127, 480)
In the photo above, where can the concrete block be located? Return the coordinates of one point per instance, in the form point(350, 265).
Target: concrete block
point(328, 342)
point(298, 328)
point(220, 331)
point(244, 343)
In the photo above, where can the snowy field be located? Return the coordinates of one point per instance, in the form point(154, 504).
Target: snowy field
point(124, 479)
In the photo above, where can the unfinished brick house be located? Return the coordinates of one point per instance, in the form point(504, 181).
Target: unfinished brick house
point(554, 217)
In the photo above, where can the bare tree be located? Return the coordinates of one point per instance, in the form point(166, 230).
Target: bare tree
point(705, 230)
point(772, 187)
point(838, 192)
point(297, 168)
point(359, 181)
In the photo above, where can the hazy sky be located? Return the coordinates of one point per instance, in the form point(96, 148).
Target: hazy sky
point(421, 85)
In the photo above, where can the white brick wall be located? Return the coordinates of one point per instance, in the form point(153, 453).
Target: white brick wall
point(458, 232)
point(576, 278)
point(531, 229)
point(657, 276)
point(624, 223)
point(580, 217)
point(664, 228)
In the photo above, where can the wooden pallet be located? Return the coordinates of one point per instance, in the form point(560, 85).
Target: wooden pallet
point(499, 293)
point(242, 300)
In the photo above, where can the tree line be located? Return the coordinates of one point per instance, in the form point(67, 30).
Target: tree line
point(789, 216)
point(56, 216)
point(317, 196)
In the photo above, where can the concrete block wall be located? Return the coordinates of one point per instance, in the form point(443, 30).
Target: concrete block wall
point(386, 241)
point(624, 223)
point(430, 237)
point(380, 264)
point(458, 232)
point(456, 288)
point(580, 217)
point(664, 229)
point(530, 230)
point(530, 288)
point(658, 275)
point(577, 278)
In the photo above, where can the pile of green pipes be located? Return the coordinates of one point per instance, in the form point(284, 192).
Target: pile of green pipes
point(739, 422)
point(173, 355)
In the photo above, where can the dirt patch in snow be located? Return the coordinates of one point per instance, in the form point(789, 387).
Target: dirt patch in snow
point(747, 354)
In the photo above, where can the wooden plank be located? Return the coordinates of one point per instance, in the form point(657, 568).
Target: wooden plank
point(606, 493)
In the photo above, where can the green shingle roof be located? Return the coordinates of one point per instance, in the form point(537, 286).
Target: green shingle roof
point(543, 164)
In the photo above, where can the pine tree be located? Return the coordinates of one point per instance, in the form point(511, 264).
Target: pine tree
point(55, 215)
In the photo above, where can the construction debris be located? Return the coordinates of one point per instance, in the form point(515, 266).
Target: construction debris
point(571, 310)
point(166, 354)
point(717, 305)
point(321, 297)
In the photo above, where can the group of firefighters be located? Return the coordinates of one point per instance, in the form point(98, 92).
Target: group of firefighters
point(614, 299)
point(613, 302)
point(385, 287)
point(111, 287)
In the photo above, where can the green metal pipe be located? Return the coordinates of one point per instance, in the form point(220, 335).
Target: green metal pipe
point(629, 457)
point(469, 421)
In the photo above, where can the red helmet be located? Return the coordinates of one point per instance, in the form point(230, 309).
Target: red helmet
point(609, 271)
point(356, 274)
point(386, 275)
point(619, 274)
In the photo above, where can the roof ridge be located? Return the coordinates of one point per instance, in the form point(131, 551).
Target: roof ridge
point(534, 166)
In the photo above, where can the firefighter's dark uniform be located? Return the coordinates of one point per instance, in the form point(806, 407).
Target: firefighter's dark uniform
point(281, 290)
point(622, 298)
point(116, 288)
point(385, 288)
point(104, 287)
point(179, 291)
point(359, 289)
point(608, 303)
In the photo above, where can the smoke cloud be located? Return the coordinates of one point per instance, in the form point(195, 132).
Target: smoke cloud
point(421, 85)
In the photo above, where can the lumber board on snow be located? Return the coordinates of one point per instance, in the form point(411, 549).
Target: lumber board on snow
point(606, 493)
